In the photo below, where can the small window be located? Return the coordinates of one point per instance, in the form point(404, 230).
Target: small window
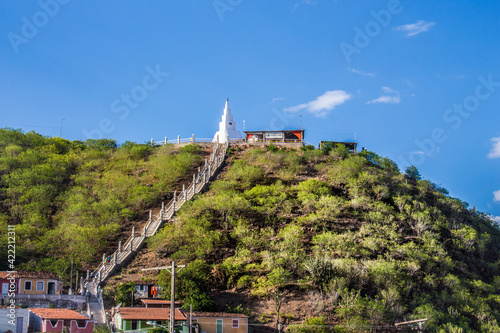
point(27, 285)
point(53, 322)
point(39, 285)
point(236, 323)
point(134, 325)
point(230, 123)
point(81, 323)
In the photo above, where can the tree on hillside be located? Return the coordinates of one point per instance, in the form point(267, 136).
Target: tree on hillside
point(413, 173)
point(278, 278)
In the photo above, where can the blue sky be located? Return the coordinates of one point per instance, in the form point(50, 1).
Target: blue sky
point(415, 81)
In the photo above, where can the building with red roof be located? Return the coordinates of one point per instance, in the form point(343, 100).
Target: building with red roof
point(56, 320)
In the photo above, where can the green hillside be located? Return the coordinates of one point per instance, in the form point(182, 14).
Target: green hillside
point(363, 242)
point(349, 237)
point(70, 199)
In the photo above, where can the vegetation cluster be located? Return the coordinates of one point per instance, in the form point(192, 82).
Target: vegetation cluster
point(69, 199)
point(363, 243)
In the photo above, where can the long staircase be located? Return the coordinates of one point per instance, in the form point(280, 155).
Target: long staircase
point(127, 250)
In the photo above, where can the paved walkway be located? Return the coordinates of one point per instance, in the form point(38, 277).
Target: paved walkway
point(96, 310)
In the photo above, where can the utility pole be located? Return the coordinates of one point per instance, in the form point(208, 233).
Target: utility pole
point(172, 271)
point(71, 279)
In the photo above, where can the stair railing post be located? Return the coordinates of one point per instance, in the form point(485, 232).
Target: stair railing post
point(162, 206)
point(150, 215)
point(184, 191)
point(119, 246)
point(174, 201)
point(132, 240)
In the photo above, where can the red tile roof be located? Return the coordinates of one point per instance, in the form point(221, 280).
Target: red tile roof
point(219, 314)
point(47, 313)
point(133, 313)
point(28, 275)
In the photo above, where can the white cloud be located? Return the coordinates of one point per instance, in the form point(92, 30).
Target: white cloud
point(495, 151)
point(277, 99)
point(361, 72)
point(392, 97)
point(413, 29)
point(386, 99)
point(388, 90)
point(496, 196)
point(322, 104)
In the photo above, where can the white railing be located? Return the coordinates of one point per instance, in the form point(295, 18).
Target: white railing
point(134, 242)
point(189, 140)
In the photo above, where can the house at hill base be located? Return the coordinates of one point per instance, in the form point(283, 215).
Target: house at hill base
point(9, 282)
point(134, 319)
point(146, 290)
point(59, 320)
point(14, 319)
point(221, 322)
point(31, 283)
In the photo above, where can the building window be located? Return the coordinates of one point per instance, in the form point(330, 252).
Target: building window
point(27, 285)
point(39, 285)
point(236, 323)
point(53, 322)
point(219, 326)
point(134, 325)
point(230, 123)
point(81, 323)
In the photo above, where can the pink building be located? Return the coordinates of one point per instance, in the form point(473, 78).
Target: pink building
point(56, 320)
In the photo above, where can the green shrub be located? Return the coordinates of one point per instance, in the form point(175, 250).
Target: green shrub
point(311, 325)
